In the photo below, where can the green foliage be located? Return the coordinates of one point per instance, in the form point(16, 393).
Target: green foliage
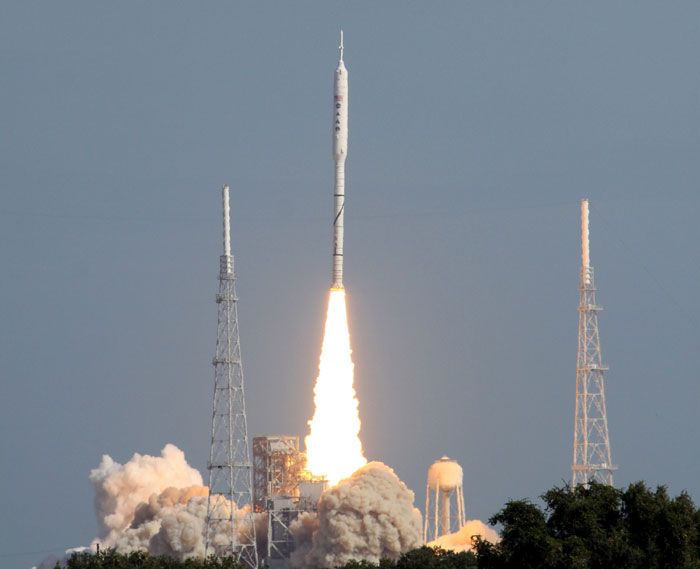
point(597, 527)
point(110, 559)
point(526, 543)
point(365, 565)
point(436, 558)
point(421, 558)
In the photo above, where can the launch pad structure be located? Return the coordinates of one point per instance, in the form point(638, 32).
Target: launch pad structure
point(277, 464)
point(282, 490)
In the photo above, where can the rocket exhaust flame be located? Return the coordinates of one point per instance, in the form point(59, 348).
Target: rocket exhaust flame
point(333, 446)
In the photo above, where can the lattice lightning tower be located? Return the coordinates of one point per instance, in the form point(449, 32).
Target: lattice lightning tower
point(230, 470)
point(592, 460)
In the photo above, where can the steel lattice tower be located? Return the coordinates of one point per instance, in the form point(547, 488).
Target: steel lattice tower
point(230, 469)
point(592, 459)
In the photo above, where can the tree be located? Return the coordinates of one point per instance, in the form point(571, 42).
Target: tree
point(110, 559)
point(597, 527)
point(526, 542)
point(588, 524)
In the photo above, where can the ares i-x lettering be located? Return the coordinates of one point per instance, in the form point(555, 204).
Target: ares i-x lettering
point(340, 152)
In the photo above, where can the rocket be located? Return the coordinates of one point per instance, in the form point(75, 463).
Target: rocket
point(340, 152)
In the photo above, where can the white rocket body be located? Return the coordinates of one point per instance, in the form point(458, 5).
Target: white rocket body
point(340, 152)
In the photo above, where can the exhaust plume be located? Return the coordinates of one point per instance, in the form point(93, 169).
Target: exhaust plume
point(369, 515)
point(462, 540)
point(120, 488)
point(157, 504)
point(333, 446)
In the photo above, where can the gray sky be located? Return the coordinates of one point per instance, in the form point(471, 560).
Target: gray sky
point(475, 128)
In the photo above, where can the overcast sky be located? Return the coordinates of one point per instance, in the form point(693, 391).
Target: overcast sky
point(475, 128)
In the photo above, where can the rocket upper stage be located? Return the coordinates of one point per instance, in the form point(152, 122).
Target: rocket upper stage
point(340, 108)
point(340, 152)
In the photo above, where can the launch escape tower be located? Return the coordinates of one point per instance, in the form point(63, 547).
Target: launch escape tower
point(592, 460)
point(230, 470)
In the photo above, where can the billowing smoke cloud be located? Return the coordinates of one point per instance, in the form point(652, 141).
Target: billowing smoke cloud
point(462, 540)
point(120, 488)
point(158, 504)
point(367, 516)
point(51, 560)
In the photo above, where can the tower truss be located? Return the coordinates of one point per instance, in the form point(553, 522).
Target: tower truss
point(592, 458)
point(230, 530)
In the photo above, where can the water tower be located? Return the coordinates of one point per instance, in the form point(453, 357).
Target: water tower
point(444, 512)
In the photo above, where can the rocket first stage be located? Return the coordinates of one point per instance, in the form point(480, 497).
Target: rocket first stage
point(340, 152)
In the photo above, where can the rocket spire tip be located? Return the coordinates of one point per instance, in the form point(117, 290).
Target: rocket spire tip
point(227, 221)
point(341, 47)
point(585, 241)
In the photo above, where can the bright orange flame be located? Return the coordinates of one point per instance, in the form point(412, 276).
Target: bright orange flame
point(333, 446)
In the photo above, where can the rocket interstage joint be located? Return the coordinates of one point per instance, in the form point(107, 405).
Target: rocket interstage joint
point(340, 151)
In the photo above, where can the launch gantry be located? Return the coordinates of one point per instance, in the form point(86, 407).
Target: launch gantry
point(230, 483)
point(282, 490)
point(592, 458)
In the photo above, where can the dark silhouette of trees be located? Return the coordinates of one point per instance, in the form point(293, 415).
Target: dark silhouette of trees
point(110, 559)
point(424, 558)
point(594, 527)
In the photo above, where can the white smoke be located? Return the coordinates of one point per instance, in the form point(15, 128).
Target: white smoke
point(170, 523)
point(51, 560)
point(462, 540)
point(120, 488)
point(368, 516)
point(158, 504)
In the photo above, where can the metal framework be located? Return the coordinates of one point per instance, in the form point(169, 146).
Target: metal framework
point(281, 512)
point(277, 471)
point(230, 482)
point(592, 459)
point(277, 466)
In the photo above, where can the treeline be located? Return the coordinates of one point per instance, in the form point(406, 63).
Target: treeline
point(424, 557)
point(110, 559)
point(598, 527)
